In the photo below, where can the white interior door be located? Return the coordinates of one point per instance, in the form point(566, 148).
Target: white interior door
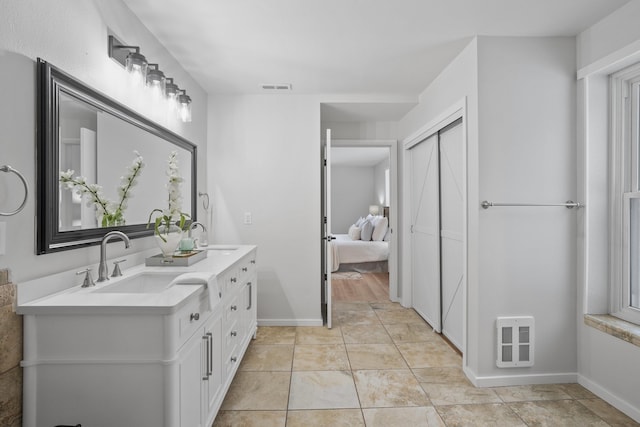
point(425, 230)
point(327, 227)
point(451, 232)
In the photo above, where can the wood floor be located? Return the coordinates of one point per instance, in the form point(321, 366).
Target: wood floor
point(351, 287)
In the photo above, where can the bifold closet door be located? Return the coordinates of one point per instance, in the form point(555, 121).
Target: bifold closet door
point(425, 230)
point(451, 232)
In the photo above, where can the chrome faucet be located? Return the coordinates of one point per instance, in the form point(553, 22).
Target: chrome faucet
point(103, 270)
point(203, 236)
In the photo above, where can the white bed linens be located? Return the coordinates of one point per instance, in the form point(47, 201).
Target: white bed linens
point(347, 251)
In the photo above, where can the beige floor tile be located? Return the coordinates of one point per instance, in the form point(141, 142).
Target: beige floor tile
point(403, 417)
point(354, 318)
point(258, 391)
point(441, 375)
point(611, 415)
point(315, 357)
point(276, 335)
point(412, 332)
point(576, 391)
point(322, 390)
point(525, 393)
point(375, 356)
point(389, 317)
point(365, 334)
point(494, 415)
point(566, 413)
point(350, 306)
point(386, 306)
point(429, 355)
point(267, 358)
point(459, 393)
point(318, 335)
point(389, 388)
point(250, 419)
point(326, 418)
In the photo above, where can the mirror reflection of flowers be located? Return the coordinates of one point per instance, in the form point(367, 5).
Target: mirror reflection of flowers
point(172, 217)
point(109, 213)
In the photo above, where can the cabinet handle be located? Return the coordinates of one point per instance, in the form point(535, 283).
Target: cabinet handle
point(206, 358)
point(234, 307)
point(210, 358)
point(234, 359)
point(253, 261)
point(234, 333)
point(233, 280)
point(194, 316)
point(245, 269)
point(250, 285)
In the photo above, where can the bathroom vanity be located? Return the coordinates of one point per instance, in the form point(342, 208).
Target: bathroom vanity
point(145, 349)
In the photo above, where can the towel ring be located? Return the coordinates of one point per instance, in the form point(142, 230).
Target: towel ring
point(7, 168)
point(205, 204)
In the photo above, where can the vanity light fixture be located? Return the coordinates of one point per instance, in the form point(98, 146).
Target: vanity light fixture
point(184, 106)
point(131, 58)
point(156, 81)
point(149, 75)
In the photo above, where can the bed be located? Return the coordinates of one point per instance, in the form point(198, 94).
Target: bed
point(358, 255)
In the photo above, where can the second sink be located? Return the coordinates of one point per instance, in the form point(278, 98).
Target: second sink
point(140, 283)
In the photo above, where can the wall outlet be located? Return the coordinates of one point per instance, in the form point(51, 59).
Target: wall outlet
point(3, 237)
point(247, 218)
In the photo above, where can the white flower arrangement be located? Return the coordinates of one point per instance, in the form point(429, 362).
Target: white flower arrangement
point(109, 213)
point(173, 214)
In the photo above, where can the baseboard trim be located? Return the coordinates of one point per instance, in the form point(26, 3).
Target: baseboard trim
point(610, 398)
point(513, 380)
point(290, 322)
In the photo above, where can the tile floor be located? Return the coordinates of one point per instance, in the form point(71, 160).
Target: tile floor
point(382, 365)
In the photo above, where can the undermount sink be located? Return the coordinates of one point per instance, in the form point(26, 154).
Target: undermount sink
point(220, 249)
point(141, 283)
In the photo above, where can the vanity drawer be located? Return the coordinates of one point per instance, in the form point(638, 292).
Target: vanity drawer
point(190, 318)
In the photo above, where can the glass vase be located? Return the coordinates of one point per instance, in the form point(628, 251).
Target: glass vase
point(168, 239)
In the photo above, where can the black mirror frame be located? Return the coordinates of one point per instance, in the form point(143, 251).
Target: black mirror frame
point(50, 81)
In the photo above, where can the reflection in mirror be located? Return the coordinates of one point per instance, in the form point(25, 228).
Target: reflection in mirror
point(99, 140)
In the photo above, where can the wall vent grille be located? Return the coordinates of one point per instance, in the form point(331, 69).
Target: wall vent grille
point(515, 341)
point(277, 86)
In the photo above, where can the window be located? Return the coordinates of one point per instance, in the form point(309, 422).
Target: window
point(625, 182)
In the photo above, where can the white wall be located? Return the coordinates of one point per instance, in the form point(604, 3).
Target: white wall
point(264, 158)
point(379, 182)
point(527, 153)
point(352, 191)
point(73, 36)
point(607, 365)
point(361, 130)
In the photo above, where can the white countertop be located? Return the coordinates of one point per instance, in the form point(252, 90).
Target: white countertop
point(78, 300)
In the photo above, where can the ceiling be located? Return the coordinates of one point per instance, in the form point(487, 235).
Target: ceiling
point(344, 47)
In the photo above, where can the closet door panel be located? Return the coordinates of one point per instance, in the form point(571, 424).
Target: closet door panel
point(451, 233)
point(425, 226)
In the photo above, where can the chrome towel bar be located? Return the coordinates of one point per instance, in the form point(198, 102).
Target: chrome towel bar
point(569, 204)
point(7, 168)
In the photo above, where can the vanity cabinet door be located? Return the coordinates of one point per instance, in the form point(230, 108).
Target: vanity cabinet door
point(249, 311)
point(191, 372)
point(213, 386)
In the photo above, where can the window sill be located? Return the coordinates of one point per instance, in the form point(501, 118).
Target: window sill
point(618, 328)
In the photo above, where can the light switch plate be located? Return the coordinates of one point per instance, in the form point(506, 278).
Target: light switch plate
point(247, 218)
point(3, 237)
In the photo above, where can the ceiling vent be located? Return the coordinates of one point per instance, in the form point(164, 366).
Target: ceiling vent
point(277, 86)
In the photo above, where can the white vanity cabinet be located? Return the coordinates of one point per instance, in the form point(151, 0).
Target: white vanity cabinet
point(145, 365)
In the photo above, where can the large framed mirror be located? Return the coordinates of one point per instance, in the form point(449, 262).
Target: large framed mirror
point(99, 139)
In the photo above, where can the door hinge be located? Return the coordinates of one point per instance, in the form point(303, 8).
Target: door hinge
point(325, 277)
point(324, 162)
point(325, 219)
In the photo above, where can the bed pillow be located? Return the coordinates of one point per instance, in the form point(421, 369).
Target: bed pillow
point(354, 232)
point(359, 222)
point(380, 229)
point(366, 230)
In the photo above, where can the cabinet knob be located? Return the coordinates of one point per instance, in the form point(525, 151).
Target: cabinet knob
point(234, 359)
point(253, 261)
point(234, 333)
point(245, 269)
point(234, 307)
point(233, 280)
point(194, 316)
